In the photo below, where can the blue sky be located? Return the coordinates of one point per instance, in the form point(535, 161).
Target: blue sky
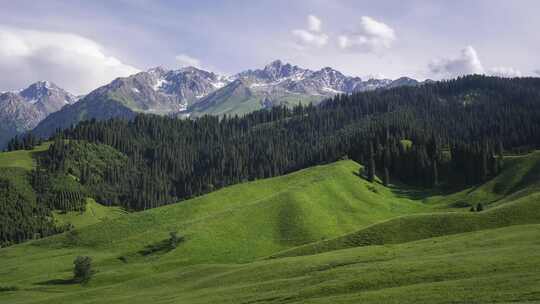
point(83, 44)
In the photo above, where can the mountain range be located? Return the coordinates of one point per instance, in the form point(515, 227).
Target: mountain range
point(189, 91)
point(22, 110)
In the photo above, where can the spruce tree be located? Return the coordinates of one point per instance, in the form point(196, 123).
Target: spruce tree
point(371, 164)
point(386, 180)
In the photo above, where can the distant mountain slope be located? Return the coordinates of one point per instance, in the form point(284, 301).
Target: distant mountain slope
point(191, 91)
point(281, 83)
point(21, 111)
point(91, 107)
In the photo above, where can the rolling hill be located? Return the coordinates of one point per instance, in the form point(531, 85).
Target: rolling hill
point(431, 250)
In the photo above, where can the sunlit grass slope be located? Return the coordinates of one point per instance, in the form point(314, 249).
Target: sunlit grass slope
point(525, 210)
point(498, 265)
point(21, 158)
point(94, 213)
point(241, 223)
point(252, 220)
point(485, 257)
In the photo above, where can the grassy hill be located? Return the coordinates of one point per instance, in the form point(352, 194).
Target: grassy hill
point(462, 257)
point(252, 220)
point(22, 158)
point(525, 210)
point(15, 167)
point(94, 213)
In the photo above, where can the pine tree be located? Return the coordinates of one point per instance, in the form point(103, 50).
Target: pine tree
point(386, 180)
point(371, 164)
point(82, 270)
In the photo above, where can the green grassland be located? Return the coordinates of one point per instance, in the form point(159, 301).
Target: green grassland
point(94, 213)
point(22, 158)
point(351, 241)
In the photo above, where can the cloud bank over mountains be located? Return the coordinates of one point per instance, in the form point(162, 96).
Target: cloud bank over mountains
point(467, 62)
point(77, 63)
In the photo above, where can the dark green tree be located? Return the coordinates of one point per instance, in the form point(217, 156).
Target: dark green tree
point(479, 207)
point(174, 239)
point(386, 179)
point(82, 270)
point(371, 164)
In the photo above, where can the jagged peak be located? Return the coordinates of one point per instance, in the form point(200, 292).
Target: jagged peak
point(157, 70)
point(275, 63)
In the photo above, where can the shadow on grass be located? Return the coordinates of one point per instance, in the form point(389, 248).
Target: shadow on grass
point(403, 190)
point(156, 248)
point(57, 282)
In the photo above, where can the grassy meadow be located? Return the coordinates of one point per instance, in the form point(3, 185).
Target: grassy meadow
point(319, 235)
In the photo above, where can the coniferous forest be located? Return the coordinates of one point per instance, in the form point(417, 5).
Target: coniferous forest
point(444, 134)
point(450, 133)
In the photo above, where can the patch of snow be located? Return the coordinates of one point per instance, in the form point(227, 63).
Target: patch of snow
point(135, 90)
point(183, 107)
point(159, 83)
point(219, 84)
point(258, 84)
point(331, 90)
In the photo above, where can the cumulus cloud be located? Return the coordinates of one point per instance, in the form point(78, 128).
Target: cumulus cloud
point(314, 24)
point(537, 72)
point(76, 63)
point(505, 72)
point(466, 63)
point(371, 36)
point(313, 35)
point(184, 60)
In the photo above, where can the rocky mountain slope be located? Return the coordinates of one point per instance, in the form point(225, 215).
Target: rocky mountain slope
point(191, 91)
point(21, 111)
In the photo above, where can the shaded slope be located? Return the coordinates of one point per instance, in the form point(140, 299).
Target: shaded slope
point(98, 108)
point(520, 177)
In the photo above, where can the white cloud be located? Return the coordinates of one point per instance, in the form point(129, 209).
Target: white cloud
point(313, 36)
point(184, 60)
point(314, 24)
point(466, 63)
point(505, 72)
point(371, 36)
point(537, 72)
point(76, 63)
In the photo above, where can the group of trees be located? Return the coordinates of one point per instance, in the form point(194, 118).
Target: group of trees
point(447, 132)
point(21, 218)
point(25, 142)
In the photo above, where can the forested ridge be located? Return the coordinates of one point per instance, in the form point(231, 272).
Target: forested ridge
point(458, 130)
point(446, 134)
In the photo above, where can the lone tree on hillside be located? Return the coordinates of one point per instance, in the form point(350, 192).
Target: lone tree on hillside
point(479, 207)
point(174, 239)
point(82, 270)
